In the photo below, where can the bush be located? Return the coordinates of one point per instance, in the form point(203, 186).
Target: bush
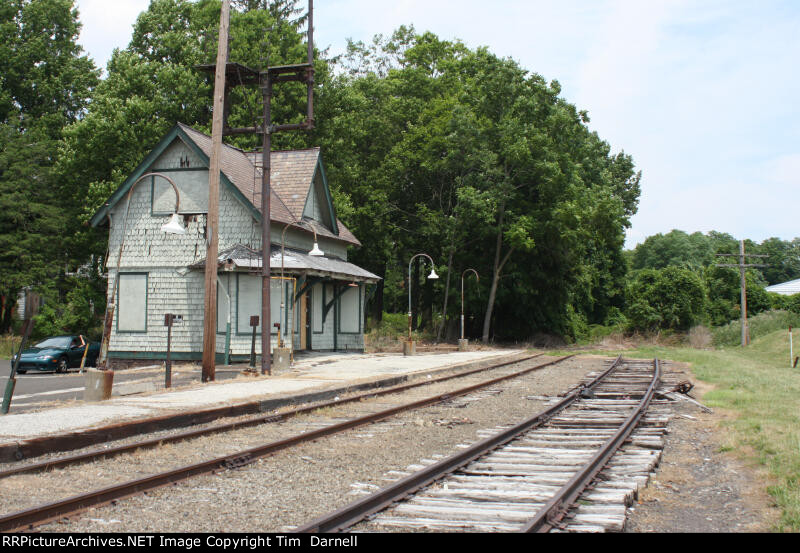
point(669, 299)
point(700, 337)
point(760, 325)
point(793, 303)
point(75, 309)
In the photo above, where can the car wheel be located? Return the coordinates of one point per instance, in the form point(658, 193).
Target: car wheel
point(22, 371)
point(62, 365)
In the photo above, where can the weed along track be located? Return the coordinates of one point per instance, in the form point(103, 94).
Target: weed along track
point(572, 467)
point(130, 473)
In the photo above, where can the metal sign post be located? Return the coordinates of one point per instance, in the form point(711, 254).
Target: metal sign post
point(254, 324)
point(169, 318)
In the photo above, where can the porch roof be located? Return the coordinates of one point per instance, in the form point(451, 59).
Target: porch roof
point(294, 261)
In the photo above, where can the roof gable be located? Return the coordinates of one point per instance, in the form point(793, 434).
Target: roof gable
point(291, 175)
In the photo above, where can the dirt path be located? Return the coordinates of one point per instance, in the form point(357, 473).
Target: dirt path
point(701, 487)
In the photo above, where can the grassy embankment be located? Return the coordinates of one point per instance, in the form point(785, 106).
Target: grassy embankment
point(761, 392)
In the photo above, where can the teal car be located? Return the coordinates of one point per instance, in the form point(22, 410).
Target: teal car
point(58, 354)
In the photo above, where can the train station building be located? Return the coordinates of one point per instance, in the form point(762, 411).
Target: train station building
point(315, 291)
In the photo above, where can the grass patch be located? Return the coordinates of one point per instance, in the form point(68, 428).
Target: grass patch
point(9, 344)
point(758, 385)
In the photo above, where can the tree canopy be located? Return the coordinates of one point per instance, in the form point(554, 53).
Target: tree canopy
point(430, 146)
point(45, 85)
point(468, 157)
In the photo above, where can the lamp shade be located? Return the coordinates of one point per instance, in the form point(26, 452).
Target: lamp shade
point(315, 251)
point(433, 275)
point(174, 225)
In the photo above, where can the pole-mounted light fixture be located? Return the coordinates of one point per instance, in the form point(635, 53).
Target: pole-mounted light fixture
point(432, 276)
point(173, 226)
point(315, 251)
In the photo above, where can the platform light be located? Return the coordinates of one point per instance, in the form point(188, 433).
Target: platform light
point(174, 226)
point(315, 251)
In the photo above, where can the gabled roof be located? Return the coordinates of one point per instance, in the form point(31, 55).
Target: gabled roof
point(293, 172)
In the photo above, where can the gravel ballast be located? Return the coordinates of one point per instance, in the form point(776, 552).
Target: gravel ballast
point(293, 486)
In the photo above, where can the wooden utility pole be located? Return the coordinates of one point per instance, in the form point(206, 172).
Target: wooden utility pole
point(212, 220)
point(266, 239)
point(265, 79)
point(742, 265)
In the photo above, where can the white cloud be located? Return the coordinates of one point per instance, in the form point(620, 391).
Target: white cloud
point(107, 25)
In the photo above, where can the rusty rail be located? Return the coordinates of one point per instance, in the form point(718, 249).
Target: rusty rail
point(358, 510)
point(28, 518)
point(226, 427)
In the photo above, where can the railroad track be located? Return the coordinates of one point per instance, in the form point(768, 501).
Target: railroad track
point(29, 518)
point(278, 416)
point(561, 469)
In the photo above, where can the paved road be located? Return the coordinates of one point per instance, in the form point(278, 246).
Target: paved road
point(36, 389)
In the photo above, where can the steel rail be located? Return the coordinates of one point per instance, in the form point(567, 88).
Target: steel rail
point(226, 427)
point(554, 511)
point(28, 518)
point(358, 510)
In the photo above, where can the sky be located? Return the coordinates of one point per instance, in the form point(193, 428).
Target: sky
point(703, 94)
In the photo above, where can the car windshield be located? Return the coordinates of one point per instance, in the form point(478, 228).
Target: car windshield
point(61, 342)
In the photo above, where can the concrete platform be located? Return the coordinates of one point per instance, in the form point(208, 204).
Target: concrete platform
point(313, 377)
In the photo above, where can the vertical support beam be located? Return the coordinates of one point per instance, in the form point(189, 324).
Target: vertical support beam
point(310, 84)
point(335, 318)
point(266, 241)
point(745, 330)
point(169, 318)
point(212, 232)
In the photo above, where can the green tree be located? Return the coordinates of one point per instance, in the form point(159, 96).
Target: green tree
point(153, 84)
point(783, 263)
point(469, 158)
point(45, 84)
point(676, 248)
point(672, 298)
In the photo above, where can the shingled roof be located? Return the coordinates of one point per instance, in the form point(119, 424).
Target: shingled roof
point(291, 175)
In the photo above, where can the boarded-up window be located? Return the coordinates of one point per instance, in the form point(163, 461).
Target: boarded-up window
point(192, 186)
point(316, 313)
point(349, 309)
point(222, 302)
point(132, 301)
point(249, 303)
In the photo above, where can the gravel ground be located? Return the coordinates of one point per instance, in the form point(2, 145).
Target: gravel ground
point(296, 485)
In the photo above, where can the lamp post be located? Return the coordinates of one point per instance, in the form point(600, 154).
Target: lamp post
point(462, 343)
point(410, 347)
point(173, 226)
